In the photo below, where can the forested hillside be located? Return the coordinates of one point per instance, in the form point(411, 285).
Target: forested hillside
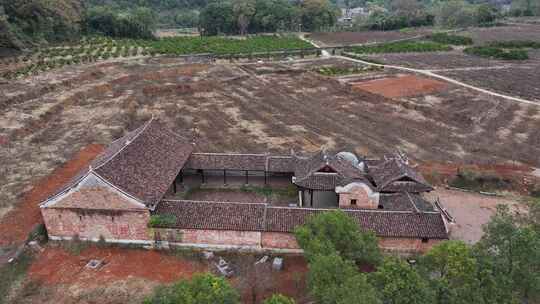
point(27, 22)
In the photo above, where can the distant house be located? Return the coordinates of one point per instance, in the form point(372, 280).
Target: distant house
point(136, 177)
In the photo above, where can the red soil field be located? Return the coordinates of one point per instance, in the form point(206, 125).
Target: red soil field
point(57, 266)
point(17, 223)
point(401, 86)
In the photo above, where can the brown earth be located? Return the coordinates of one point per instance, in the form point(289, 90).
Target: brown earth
point(348, 38)
point(401, 86)
point(58, 266)
point(17, 223)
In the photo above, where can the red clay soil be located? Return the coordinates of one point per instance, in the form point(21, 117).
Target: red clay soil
point(17, 224)
point(57, 266)
point(401, 86)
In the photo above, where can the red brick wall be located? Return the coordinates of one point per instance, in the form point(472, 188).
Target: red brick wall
point(117, 225)
point(279, 240)
point(210, 237)
point(406, 245)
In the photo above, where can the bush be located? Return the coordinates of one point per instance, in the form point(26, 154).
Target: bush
point(401, 47)
point(445, 38)
point(201, 289)
point(279, 299)
point(157, 221)
point(337, 71)
point(516, 44)
point(336, 232)
point(497, 53)
point(475, 181)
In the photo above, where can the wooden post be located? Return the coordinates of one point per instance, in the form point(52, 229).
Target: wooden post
point(265, 177)
point(224, 176)
point(247, 178)
point(174, 185)
point(202, 176)
point(311, 199)
point(181, 177)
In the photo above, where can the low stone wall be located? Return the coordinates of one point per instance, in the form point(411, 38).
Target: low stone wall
point(407, 245)
point(93, 224)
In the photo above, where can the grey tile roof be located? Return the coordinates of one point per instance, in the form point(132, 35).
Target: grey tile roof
point(237, 161)
point(394, 175)
point(260, 217)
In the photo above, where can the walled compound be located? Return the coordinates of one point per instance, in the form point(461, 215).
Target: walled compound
point(136, 177)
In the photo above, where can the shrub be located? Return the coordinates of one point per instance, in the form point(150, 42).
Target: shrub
point(336, 232)
point(516, 44)
point(401, 47)
point(201, 289)
point(497, 53)
point(279, 299)
point(446, 38)
point(337, 71)
point(158, 220)
point(476, 181)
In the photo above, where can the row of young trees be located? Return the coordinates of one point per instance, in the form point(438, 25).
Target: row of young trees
point(504, 267)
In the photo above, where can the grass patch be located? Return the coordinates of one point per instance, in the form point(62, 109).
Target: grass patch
point(518, 44)
point(476, 181)
point(158, 220)
point(11, 273)
point(339, 71)
point(497, 53)
point(268, 191)
point(401, 47)
point(446, 38)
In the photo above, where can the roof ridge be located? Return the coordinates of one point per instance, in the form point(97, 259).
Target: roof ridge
point(355, 210)
point(209, 202)
point(125, 145)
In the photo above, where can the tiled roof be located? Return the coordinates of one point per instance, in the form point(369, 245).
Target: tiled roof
point(234, 161)
point(143, 163)
point(260, 217)
point(214, 215)
point(394, 175)
point(404, 202)
point(308, 172)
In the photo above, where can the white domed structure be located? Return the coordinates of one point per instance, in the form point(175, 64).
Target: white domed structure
point(348, 156)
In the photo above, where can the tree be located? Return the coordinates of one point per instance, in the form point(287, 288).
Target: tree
point(454, 13)
point(317, 14)
point(452, 270)
point(334, 280)
point(514, 244)
point(335, 231)
point(399, 283)
point(243, 11)
point(218, 17)
point(187, 18)
point(201, 289)
point(279, 299)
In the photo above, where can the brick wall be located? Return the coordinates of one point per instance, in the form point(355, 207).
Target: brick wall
point(407, 245)
point(88, 224)
point(360, 193)
point(209, 237)
point(279, 240)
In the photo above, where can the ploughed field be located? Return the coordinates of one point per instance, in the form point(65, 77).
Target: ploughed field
point(348, 38)
point(251, 107)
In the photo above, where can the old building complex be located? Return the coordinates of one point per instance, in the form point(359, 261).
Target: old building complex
point(138, 179)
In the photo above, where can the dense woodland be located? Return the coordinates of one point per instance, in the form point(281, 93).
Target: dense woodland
point(26, 23)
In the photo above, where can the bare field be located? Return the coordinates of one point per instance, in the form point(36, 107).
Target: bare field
point(248, 108)
point(348, 38)
point(522, 81)
point(483, 35)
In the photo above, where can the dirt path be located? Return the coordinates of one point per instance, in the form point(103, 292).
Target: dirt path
point(18, 222)
point(434, 75)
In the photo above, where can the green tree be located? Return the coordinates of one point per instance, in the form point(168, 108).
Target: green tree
point(317, 14)
point(201, 289)
point(334, 280)
point(217, 18)
point(279, 299)
point(514, 244)
point(335, 231)
point(243, 11)
point(399, 283)
point(452, 270)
